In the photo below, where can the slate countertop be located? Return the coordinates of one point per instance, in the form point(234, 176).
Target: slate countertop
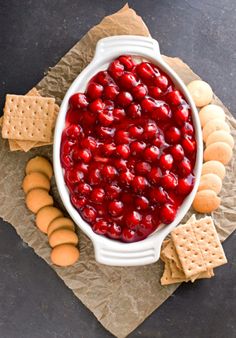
point(33, 36)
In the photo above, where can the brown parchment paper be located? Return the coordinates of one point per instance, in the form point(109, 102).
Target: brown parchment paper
point(120, 298)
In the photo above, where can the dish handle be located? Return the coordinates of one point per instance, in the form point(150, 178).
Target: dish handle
point(122, 254)
point(127, 44)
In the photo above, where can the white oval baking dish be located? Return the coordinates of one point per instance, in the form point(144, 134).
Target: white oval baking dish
point(108, 251)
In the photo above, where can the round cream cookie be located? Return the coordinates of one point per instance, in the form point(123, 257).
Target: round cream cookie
point(63, 236)
point(39, 164)
point(64, 255)
point(35, 180)
point(45, 216)
point(60, 222)
point(212, 126)
point(206, 201)
point(210, 182)
point(211, 112)
point(218, 151)
point(201, 92)
point(214, 167)
point(220, 136)
point(37, 199)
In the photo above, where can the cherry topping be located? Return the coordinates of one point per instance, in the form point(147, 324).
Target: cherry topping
point(128, 150)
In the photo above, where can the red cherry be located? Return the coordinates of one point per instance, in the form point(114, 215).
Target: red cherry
point(142, 168)
point(96, 106)
point(169, 181)
point(105, 132)
point(73, 131)
point(177, 152)
point(105, 118)
point(79, 101)
point(187, 129)
point(166, 161)
point(172, 135)
point(100, 227)
point(159, 140)
point(154, 92)
point(127, 198)
point(109, 172)
point(135, 131)
point(97, 195)
point(133, 219)
point(147, 224)
point(119, 114)
point(94, 176)
point(161, 113)
point(141, 202)
point(134, 110)
point(137, 147)
point(174, 97)
point(127, 81)
point(124, 99)
point(108, 105)
point(82, 154)
point(150, 130)
point(89, 214)
point(128, 235)
point(89, 143)
point(185, 185)
point(145, 71)
point(151, 153)
point(94, 90)
point(84, 189)
point(72, 176)
point(78, 201)
point(108, 149)
point(123, 150)
point(126, 178)
point(104, 78)
point(66, 161)
point(66, 146)
point(88, 119)
point(122, 137)
point(184, 167)
point(161, 81)
point(167, 213)
point(115, 208)
point(189, 145)
point(159, 195)
point(120, 164)
point(181, 115)
point(81, 167)
point(116, 69)
point(113, 191)
point(139, 183)
point(139, 92)
point(148, 105)
point(110, 92)
point(127, 61)
point(114, 231)
point(154, 175)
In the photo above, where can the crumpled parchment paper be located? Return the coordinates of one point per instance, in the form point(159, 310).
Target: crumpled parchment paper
point(120, 298)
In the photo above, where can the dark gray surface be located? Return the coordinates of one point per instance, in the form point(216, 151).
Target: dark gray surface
point(34, 302)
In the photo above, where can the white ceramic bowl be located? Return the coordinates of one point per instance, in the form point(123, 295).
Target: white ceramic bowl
point(108, 251)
